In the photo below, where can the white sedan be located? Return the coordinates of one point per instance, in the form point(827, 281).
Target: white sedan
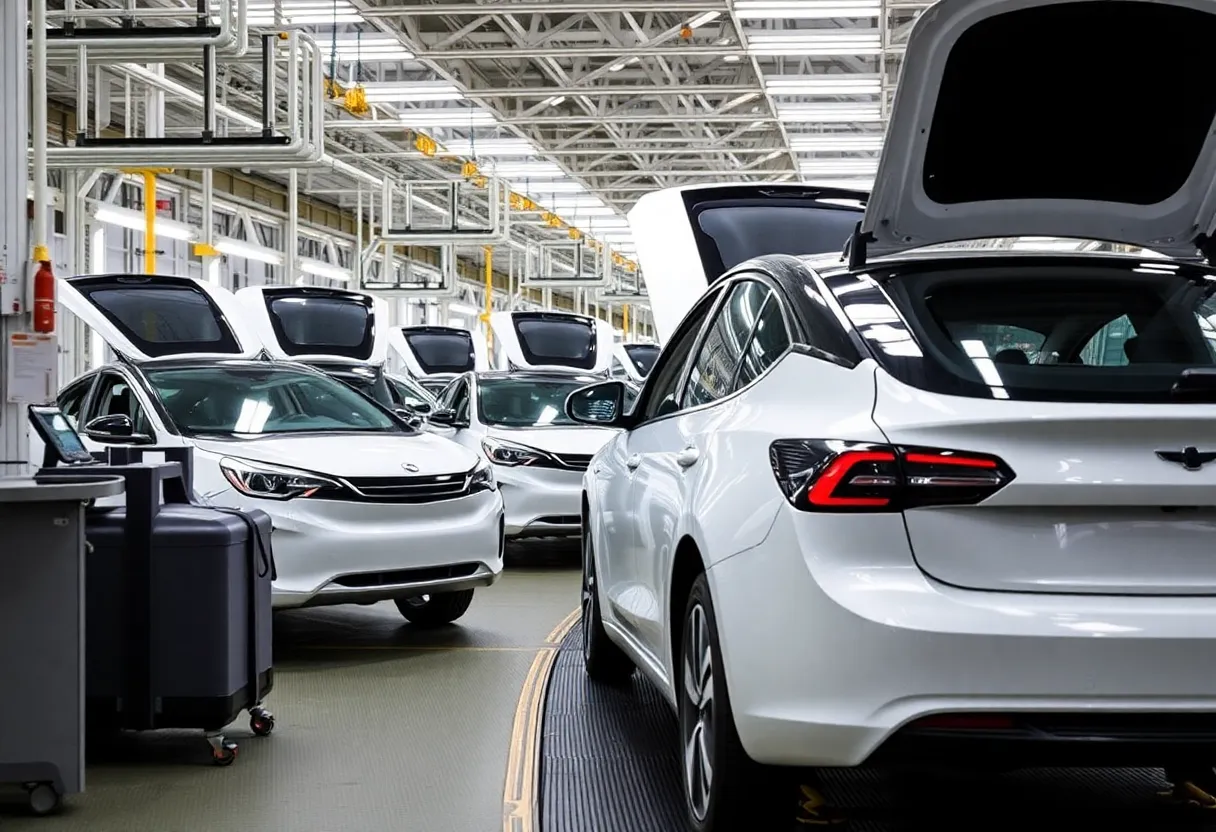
point(933, 507)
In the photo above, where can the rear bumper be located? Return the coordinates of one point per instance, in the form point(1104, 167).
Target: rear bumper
point(835, 645)
point(541, 502)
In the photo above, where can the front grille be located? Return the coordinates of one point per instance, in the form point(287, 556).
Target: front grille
point(428, 489)
point(575, 462)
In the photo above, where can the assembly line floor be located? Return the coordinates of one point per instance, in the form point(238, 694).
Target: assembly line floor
point(609, 763)
point(380, 727)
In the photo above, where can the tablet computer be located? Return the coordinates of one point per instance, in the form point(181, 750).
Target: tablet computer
point(59, 435)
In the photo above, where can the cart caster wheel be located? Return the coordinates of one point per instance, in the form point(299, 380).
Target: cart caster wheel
point(261, 722)
point(223, 751)
point(43, 799)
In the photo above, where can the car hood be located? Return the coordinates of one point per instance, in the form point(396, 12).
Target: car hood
point(350, 455)
point(579, 440)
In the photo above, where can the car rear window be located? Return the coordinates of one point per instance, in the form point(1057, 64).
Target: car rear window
point(164, 321)
point(1041, 332)
point(342, 326)
point(448, 351)
point(556, 340)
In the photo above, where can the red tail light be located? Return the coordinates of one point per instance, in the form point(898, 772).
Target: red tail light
point(830, 475)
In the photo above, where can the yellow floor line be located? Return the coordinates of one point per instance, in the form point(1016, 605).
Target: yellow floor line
point(519, 793)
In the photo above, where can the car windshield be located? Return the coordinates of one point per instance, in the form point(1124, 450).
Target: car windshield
point(1100, 333)
point(526, 403)
point(258, 401)
point(410, 393)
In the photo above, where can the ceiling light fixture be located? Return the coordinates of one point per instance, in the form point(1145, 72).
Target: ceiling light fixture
point(828, 113)
point(814, 42)
point(806, 9)
point(841, 84)
point(135, 221)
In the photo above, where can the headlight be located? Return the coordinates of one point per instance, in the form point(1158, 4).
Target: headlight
point(482, 478)
point(507, 453)
point(271, 482)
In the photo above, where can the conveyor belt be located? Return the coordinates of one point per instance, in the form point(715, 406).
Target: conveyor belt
point(609, 763)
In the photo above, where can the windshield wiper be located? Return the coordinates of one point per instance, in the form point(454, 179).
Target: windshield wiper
point(1195, 384)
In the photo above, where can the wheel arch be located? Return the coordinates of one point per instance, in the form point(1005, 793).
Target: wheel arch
point(686, 567)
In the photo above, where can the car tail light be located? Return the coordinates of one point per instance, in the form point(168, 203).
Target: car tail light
point(832, 475)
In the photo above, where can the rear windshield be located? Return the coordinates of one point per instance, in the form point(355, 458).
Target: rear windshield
point(164, 320)
point(732, 230)
point(1049, 332)
point(643, 357)
point(556, 340)
point(443, 351)
point(305, 325)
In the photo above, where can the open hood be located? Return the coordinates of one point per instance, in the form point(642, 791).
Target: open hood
point(688, 237)
point(439, 350)
point(146, 317)
point(1019, 118)
point(634, 360)
point(311, 324)
point(551, 341)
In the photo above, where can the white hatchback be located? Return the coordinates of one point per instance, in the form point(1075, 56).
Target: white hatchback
point(365, 507)
point(936, 507)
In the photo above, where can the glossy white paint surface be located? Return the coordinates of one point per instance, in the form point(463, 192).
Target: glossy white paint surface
point(508, 353)
point(252, 299)
point(836, 631)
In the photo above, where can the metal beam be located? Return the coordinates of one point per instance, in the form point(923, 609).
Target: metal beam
point(418, 9)
point(502, 53)
point(630, 91)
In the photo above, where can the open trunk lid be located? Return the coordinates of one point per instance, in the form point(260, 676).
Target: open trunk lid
point(147, 317)
point(552, 341)
point(688, 237)
point(1011, 119)
point(439, 350)
point(315, 324)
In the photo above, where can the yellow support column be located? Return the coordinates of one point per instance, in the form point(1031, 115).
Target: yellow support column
point(485, 316)
point(625, 321)
point(149, 176)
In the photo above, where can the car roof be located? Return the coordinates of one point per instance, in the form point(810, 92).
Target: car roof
point(540, 375)
point(836, 266)
point(238, 363)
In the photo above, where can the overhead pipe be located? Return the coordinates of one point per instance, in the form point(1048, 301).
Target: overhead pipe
point(498, 231)
point(230, 38)
point(306, 143)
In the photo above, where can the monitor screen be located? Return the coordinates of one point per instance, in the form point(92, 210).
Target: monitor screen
point(57, 433)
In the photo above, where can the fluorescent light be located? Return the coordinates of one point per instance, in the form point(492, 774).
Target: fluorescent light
point(619, 65)
point(462, 309)
point(828, 113)
point(528, 170)
point(367, 49)
point(836, 142)
point(303, 12)
point(806, 9)
point(814, 42)
point(134, 220)
point(554, 101)
point(239, 248)
point(323, 269)
point(448, 117)
point(838, 167)
point(842, 84)
point(539, 190)
point(389, 92)
point(702, 19)
point(490, 147)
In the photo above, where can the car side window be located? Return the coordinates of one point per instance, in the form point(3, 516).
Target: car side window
point(663, 387)
point(71, 400)
point(770, 339)
point(114, 396)
point(460, 400)
point(718, 357)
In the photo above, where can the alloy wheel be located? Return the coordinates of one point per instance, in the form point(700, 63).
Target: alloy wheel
point(588, 598)
point(697, 726)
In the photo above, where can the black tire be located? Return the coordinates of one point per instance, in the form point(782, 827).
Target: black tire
point(605, 661)
point(733, 792)
point(435, 610)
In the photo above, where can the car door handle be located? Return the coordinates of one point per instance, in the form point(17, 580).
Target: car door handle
point(688, 457)
point(633, 462)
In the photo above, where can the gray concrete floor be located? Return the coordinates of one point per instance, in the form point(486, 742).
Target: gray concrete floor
point(380, 727)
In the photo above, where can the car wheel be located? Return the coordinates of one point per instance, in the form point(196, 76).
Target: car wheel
point(723, 788)
point(435, 610)
point(605, 661)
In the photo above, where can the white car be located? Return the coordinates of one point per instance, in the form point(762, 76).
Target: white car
point(941, 506)
point(633, 361)
point(517, 421)
point(365, 507)
point(437, 354)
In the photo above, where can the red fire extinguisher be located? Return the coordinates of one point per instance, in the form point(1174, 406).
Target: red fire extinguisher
point(44, 292)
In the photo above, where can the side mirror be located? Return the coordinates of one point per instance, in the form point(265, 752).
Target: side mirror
point(602, 404)
point(448, 418)
point(116, 429)
point(421, 408)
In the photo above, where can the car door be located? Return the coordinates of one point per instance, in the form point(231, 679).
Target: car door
point(671, 456)
point(456, 399)
point(621, 519)
point(115, 396)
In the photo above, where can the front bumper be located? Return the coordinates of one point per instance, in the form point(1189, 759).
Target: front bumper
point(329, 552)
point(836, 645)
point(541, 502)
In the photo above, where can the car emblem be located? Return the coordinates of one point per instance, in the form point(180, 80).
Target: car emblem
point(1190, 458)
point(413, 469)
